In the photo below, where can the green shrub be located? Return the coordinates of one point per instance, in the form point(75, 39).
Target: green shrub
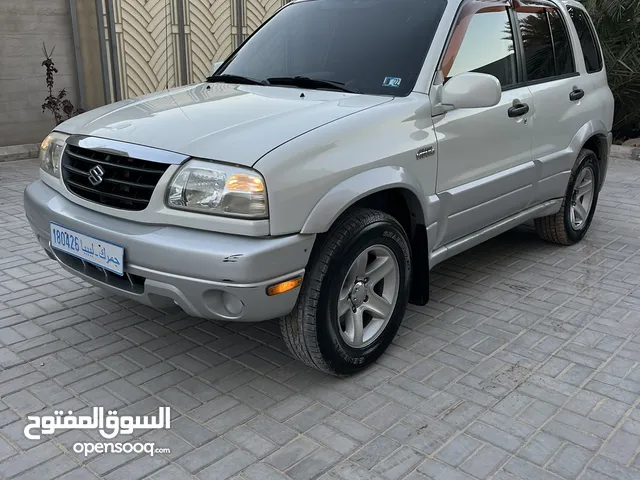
point(618, 26)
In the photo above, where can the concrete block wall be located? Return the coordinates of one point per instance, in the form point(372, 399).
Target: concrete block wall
point(24, 25)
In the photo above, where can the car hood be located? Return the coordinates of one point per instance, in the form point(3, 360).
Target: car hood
point(230, 123)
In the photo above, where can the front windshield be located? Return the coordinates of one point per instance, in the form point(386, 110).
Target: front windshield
point(370, 46)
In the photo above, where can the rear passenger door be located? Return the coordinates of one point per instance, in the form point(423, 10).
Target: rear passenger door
point(560, 92)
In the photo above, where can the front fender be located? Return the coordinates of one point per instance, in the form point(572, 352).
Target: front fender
point(355, 188)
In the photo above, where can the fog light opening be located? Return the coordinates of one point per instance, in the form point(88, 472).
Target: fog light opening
point(223, 304)
point(232, 303)
point(283, 287)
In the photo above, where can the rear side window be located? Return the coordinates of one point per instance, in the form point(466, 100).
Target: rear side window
point(537, 42)
point(547, 49)
point(482, 41)
point(590, 48)
point(562, 50)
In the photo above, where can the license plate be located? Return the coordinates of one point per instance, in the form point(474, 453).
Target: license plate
point(90, 249)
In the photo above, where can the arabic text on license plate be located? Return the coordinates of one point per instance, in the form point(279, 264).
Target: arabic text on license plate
point(90, 249)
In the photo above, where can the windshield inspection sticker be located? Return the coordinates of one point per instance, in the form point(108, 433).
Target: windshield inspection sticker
point(391, 82)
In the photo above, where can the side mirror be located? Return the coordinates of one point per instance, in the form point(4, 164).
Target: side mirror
point(216, 66)
point(471, 90)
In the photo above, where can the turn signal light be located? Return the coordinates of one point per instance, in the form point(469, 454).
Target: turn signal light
point(241, 182)
point(283, 287)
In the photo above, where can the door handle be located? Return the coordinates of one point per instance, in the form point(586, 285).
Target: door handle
point(576, 94)
point(518, 110)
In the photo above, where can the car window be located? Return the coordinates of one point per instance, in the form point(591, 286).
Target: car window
point(537, 42)
point(563, 53)
point(590, 48)
point(371, 46)
point(547, 47)
point(482, 41)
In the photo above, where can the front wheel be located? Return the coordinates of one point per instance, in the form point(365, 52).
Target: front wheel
point(572, 222)
point(354, 295)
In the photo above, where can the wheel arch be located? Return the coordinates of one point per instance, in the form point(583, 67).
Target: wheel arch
point(599, 144)
point(355, 189)
point(594, 136)
point(393, 191)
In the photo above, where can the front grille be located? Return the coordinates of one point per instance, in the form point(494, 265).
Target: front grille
point(118, 182)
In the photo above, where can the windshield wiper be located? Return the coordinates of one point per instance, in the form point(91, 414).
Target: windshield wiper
point(312, 83)
point(227, 78)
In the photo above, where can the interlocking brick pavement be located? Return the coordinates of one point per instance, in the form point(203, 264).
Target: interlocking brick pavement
point(524, 365)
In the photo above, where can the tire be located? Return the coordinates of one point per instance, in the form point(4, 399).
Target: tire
point(315, 331)
point(561, 228)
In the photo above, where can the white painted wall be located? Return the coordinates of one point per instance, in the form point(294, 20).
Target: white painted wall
point(24, 25)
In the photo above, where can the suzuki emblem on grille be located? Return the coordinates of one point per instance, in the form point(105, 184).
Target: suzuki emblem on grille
point(95, 175)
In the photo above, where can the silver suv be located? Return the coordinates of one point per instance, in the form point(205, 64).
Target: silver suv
point(339, 154)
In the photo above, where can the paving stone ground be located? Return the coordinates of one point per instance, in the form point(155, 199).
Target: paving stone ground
point(524, 365)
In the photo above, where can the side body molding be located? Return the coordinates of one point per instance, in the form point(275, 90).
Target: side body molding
point(345, 194)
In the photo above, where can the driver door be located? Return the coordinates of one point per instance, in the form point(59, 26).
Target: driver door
point(485, 169)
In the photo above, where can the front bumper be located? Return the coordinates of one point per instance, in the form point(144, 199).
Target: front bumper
point(209, 275)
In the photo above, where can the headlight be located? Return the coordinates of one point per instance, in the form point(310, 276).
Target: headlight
point(219, 190)
point(51, 153)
